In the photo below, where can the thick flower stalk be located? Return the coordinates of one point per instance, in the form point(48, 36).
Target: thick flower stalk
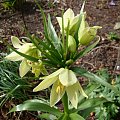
point(26, 65)
point(63, 80)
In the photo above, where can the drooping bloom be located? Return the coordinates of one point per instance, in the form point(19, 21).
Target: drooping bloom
point(26, 65)
point(69, 17)
point(63, 80)
point(86, 34)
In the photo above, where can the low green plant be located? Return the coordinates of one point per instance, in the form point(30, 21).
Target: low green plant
point(113, 36)
point(11, 85)
point(52, 59)
point(109, 109)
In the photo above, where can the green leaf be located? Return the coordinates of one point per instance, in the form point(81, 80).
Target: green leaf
point(47, 116)
point(95, 78)
point(54, 57)
point(51, 31)
point(44, 19)
point(75, 116)
point(36, 105)
point(86, 50)
point(93, 102)
point(45, 27)
point(81, 13)
point(86, 113)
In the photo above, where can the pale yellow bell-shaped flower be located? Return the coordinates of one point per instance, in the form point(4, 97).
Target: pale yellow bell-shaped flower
point(21, 47)
point(28, 49)
point(86, 34)
point(63, 80)
point(68, 17)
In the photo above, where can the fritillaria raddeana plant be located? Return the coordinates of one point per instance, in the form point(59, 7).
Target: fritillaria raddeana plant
point(57, 54)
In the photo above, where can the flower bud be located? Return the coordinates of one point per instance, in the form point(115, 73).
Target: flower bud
point(87, 35)
point(71, 44)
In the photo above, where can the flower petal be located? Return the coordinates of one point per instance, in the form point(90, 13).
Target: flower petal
point(24, 68)
point(69, 14)
point(82, 25)
point(75, 21)
point(59, 19)
point(71, 44)
point(72, 92)
point(81, 90)
point(15, 56)
point(55, 73)
point(88, 34)
point(67, 77)
point(45, 84)
point(16, 42)
point(57, 92)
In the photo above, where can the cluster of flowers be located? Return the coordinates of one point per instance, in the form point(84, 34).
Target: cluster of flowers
point(62, 80)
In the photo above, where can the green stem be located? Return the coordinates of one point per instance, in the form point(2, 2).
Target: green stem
point(65, 103)
point(67, 35)
point(63, 34)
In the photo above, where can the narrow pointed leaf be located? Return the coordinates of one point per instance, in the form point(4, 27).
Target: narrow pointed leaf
point(44, 19)
point(43, 47)
point(86, 50)
point(82, 8)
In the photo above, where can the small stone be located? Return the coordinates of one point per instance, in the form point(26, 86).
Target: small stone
point(1, 30)
point(117, 26)
point(112, 3)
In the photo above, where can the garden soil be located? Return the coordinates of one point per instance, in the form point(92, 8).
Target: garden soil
point(99, 12)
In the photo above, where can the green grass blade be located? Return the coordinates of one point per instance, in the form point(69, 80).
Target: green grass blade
point(44, 19)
